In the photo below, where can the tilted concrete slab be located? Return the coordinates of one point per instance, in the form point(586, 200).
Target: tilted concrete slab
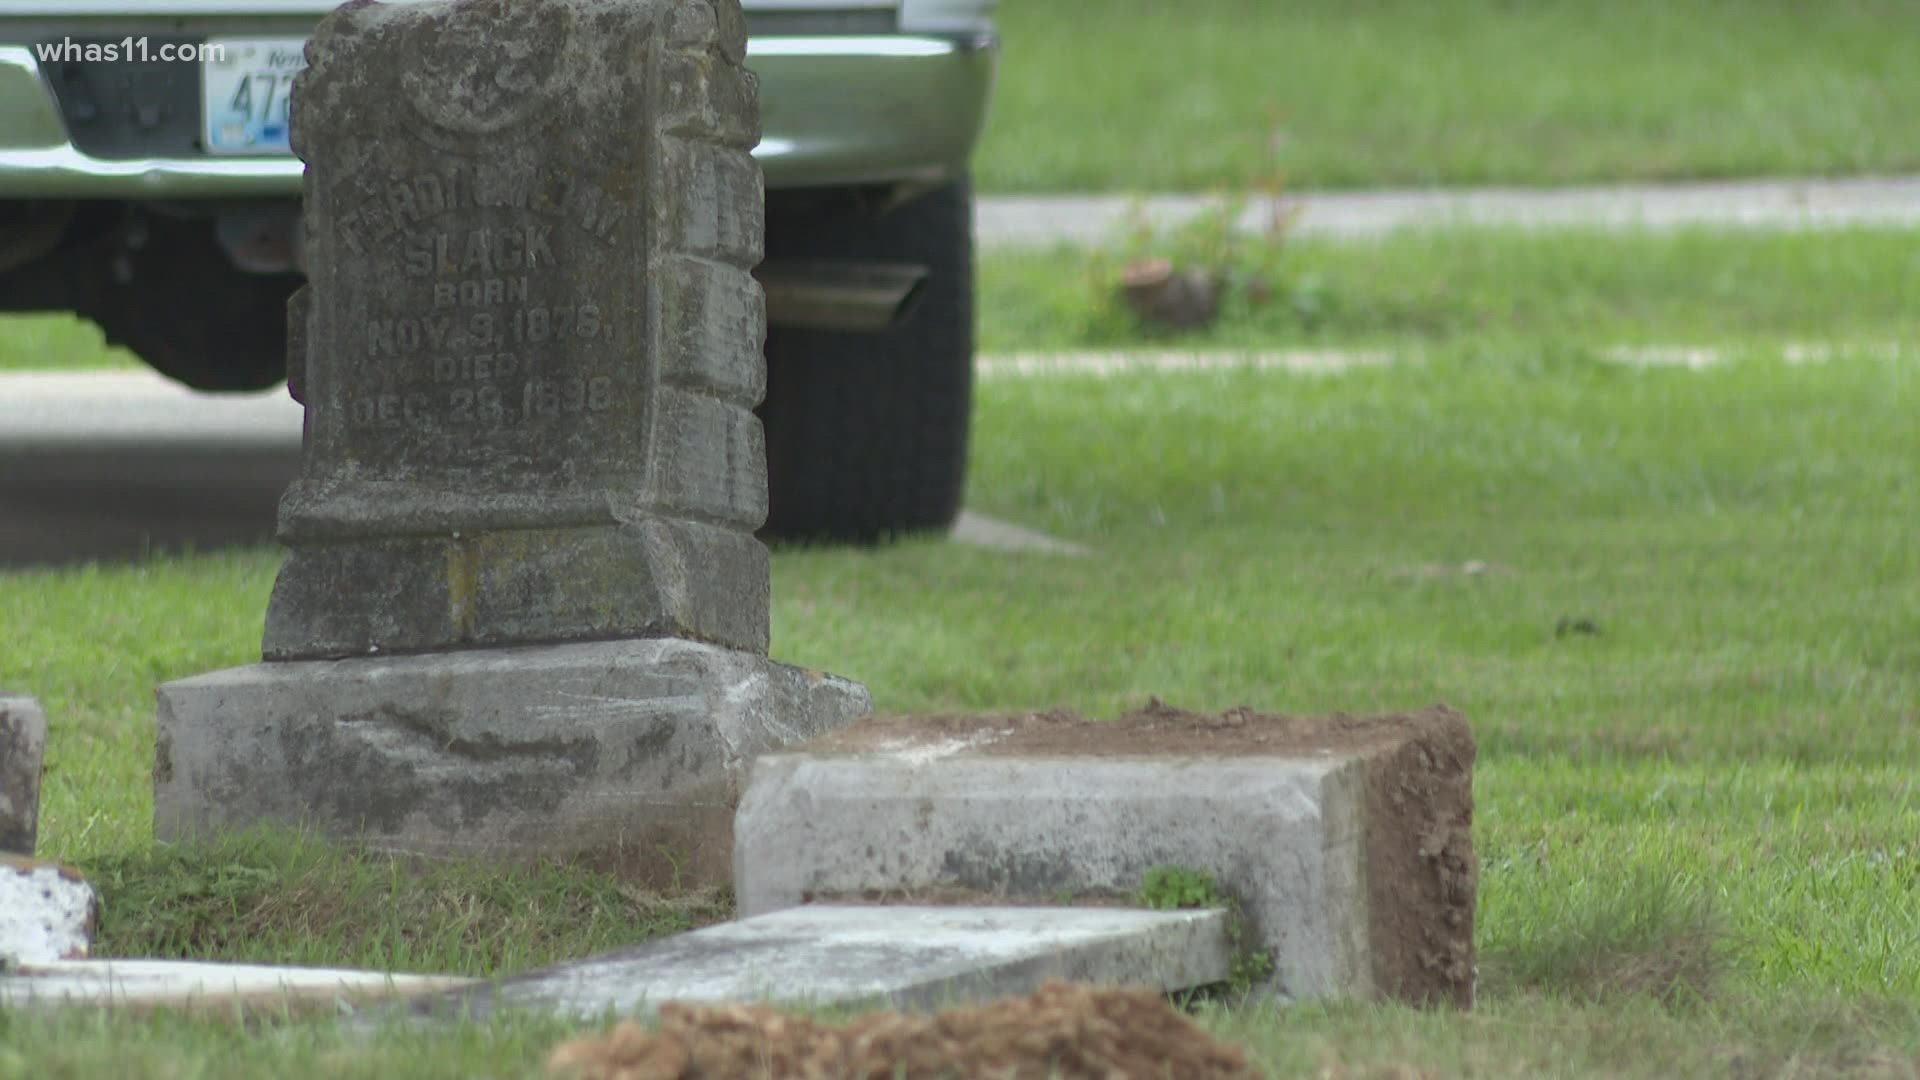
point(907, 957)
point(189, 983)
point(1346, 842)
point(978, 530)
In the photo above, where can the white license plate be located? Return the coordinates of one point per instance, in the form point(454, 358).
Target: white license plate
point(245, 83)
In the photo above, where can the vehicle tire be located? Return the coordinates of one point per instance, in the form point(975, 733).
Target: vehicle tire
point(191, 315)
point(162, 287)
point(867, 433)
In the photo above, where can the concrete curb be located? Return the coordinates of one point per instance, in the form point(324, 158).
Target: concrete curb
point(1031, 221)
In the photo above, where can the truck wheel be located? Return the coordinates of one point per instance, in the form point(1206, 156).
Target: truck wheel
point(867, 433)
point(186, 311)
point(162, 287)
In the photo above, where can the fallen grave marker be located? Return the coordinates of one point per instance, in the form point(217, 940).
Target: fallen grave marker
point(190, 984)
point(904, 956)
point(1346, 841)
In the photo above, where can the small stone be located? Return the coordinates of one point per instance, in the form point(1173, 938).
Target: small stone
point(1163, 296)
point(47, 912)
point(23, 745)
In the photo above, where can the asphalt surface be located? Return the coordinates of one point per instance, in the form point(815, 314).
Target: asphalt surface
point(113, 465)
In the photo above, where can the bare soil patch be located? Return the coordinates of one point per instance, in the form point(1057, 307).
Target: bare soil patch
point(1157, 729)
point(1063, 1030)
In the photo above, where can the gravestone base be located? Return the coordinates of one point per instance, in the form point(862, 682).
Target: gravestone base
point(634, 746)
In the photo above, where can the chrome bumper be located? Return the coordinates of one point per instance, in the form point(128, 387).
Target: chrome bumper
point(834, 110)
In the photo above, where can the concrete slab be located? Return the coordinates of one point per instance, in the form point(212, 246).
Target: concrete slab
point(907, 957)
point(1015, 221)
point(634, 746)
point(1346, 841)
point(47, 912)
point(978, 530)
point(188, 983)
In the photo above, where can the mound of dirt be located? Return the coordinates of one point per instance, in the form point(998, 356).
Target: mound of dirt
point(1064, 1031)
point(1156, 728)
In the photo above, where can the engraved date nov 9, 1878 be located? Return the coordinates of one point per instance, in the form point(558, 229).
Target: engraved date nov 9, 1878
point(534, 324)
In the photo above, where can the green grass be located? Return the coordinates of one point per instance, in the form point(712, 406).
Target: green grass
point(1130, 95)
point(1564, 289)
point(54, 343)
point(273, 898)
point(1438, 288)
point(1695, 823)
point(1691, 824)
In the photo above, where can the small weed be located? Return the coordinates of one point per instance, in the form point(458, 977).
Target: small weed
point(1169, 888)
point(1172, 888)
point(1211, 266)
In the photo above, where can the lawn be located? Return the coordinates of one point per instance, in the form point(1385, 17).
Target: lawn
point(1551, 290)
point(1690, 647)
point(1145, 95)
point(56, 343)
point(1557, 289)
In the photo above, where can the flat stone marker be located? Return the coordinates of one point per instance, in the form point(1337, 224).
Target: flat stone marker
point(908, 957)
point(1346, 841)
point(23, 748)
point(187, 983)
point(529, 351)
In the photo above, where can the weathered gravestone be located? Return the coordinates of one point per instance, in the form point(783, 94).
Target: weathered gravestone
point(23, 747)
point(524, 609)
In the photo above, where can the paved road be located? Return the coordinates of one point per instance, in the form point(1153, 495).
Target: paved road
point(108, 465)
point(1040, 221)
